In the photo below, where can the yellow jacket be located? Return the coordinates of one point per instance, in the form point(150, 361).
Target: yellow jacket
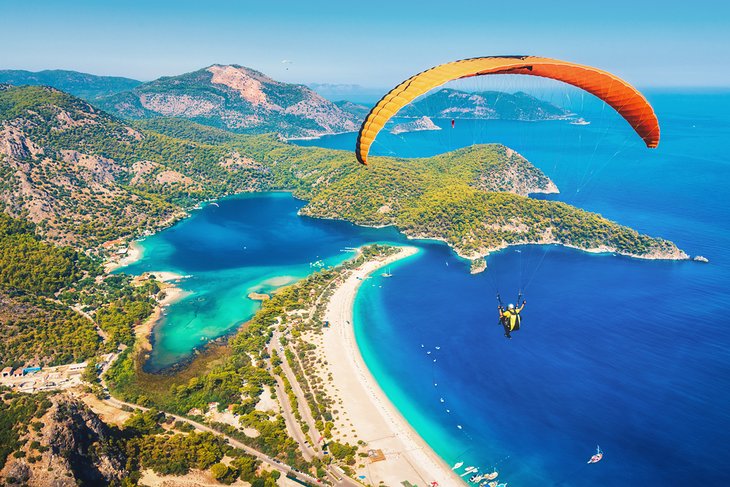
point(512, 317)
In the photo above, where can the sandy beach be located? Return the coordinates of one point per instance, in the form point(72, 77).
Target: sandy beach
point(368, 410)
point(172, 294)
point(134, 253)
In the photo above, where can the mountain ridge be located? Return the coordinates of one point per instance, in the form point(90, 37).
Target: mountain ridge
point(484, 105)
point(235, 98)
point(84, 85)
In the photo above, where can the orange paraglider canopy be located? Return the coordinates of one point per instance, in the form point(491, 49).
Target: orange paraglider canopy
point(620, 95)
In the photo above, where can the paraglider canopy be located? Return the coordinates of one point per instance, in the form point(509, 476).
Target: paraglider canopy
point(620, 95)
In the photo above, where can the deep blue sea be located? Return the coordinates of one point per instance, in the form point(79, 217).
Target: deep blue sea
point(627, 354)
point(630, 355)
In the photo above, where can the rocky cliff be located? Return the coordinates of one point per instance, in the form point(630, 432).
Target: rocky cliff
point(71, 447)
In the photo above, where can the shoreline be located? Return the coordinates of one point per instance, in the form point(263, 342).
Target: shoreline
point(134, 253)
point(681, 254)
point(371, 413)
point(173, 293)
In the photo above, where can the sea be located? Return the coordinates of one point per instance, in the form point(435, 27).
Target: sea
point(630, 355)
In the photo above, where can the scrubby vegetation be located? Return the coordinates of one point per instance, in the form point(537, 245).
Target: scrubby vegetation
point(16, 413)
point(40, 282)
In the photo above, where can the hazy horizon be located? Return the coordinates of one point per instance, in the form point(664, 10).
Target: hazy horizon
point(656, 45)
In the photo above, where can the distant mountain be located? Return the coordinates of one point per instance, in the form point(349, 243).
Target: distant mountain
point(351, 92)
point(448, 103)
point(86, 86)
point(235, 98)
point(358, 110)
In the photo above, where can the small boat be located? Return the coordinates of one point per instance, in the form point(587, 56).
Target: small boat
point(387, 273)
point(580, 121)
point(442, 399)
point(492, 475)
point(215, 204)
point(597, 457)
point(457, 465)
point(476, 478)
point(459, 426)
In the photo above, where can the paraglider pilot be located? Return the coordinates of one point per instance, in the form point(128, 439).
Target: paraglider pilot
point(510, 318)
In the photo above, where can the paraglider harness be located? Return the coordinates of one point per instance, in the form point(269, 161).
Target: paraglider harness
point(505, 320)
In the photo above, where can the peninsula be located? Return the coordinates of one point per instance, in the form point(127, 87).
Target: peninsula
point(475, 198)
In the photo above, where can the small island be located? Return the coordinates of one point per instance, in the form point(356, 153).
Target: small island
point(420, 124)
point(258, 296)
point(478, 265)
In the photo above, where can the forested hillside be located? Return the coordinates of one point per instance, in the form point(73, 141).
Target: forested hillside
point(39, 282)
point(84, 177)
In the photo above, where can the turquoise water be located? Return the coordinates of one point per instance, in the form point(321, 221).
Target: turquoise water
point(251, 243)
point(632, 355)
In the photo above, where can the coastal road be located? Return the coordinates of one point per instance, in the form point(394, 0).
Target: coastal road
point(292, 425)
point(304, 409)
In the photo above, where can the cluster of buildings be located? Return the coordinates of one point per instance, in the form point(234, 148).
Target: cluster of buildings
point(19, 372)
point(33, 379)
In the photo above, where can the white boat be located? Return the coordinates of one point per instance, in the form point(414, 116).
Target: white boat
point(597, 457)
point(580, 121)
point(469, 470)
point(457, 465)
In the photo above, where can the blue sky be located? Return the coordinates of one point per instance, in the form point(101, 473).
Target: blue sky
point(373, 43)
